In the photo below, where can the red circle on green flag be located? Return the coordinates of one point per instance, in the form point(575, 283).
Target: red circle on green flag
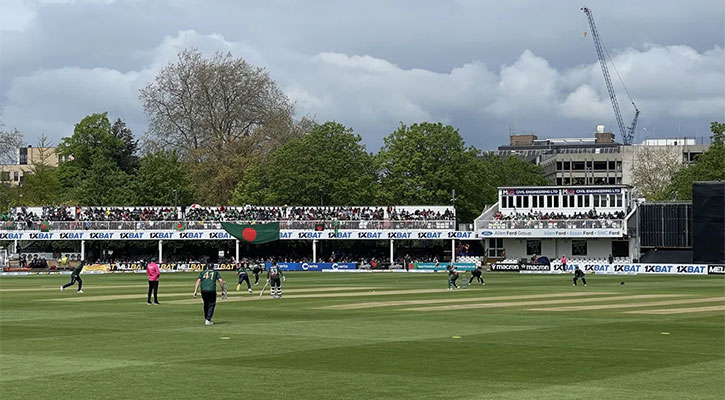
point(249, 234)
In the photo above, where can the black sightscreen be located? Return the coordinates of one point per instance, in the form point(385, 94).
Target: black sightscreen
point(708, 217)
point(665, 225)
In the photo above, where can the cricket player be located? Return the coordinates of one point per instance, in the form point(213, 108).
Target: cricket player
point(76, 276)
point(452, 278)
point(243, 276)
point(207, 280)
point(273, 277)
point(478, 274)
point(255, 271)
point(579, 274)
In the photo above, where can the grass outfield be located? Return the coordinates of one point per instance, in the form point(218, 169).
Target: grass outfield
point(366, 336)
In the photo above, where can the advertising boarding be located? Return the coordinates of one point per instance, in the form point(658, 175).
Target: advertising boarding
point(367, 234)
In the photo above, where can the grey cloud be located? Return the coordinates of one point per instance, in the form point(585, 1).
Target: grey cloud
point(480, 66)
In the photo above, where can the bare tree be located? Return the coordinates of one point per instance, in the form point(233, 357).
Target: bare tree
point(197, 106)
point(10, 141)
point(653, 169)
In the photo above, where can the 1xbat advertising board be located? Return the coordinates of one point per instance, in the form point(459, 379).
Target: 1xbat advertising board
point(366, 234)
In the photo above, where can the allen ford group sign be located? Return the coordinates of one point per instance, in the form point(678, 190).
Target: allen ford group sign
point(549, 233)
point(382, 234)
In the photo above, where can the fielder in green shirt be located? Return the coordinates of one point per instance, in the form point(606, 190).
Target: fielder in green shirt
point(207, 280)
point(76, 276)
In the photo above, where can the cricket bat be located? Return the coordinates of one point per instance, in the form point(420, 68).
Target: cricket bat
point(265, 286)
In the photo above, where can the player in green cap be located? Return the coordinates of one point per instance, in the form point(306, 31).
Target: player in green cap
point(76, 276)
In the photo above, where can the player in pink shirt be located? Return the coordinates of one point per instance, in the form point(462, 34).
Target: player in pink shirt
point(153, 272)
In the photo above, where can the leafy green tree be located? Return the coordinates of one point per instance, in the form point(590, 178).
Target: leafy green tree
point(513, 171)
point(710, 166)
point(328, 165)
point(254, 187)
point(162, 180)
point(104, 184)
point(92, 176)
point(125, 156)
point(423, 163)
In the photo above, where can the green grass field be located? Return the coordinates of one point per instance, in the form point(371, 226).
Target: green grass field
point(366, 336)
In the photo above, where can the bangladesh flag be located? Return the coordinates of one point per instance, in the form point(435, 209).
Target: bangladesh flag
point(180, 226)
point(44, 226)
point(257, 234)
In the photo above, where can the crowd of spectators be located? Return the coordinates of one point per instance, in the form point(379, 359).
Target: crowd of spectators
point(197, 213)
point(539, 216)
point(127, 214)
point(430, 215)
point(222, 213)
point(336, 213)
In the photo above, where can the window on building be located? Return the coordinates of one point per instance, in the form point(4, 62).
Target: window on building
point(23, 156)
point(578, 247)
point(533, 247)
point(495, 247)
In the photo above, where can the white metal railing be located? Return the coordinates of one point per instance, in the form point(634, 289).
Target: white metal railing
point(551, 224)
point(216, 225)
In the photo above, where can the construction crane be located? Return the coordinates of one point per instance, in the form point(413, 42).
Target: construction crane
point(628, 132)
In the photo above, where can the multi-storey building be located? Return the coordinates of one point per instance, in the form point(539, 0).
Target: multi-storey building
point(599, 160)
point(15, 174)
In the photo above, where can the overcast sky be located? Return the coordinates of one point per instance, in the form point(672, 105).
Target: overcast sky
point(484, 67)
